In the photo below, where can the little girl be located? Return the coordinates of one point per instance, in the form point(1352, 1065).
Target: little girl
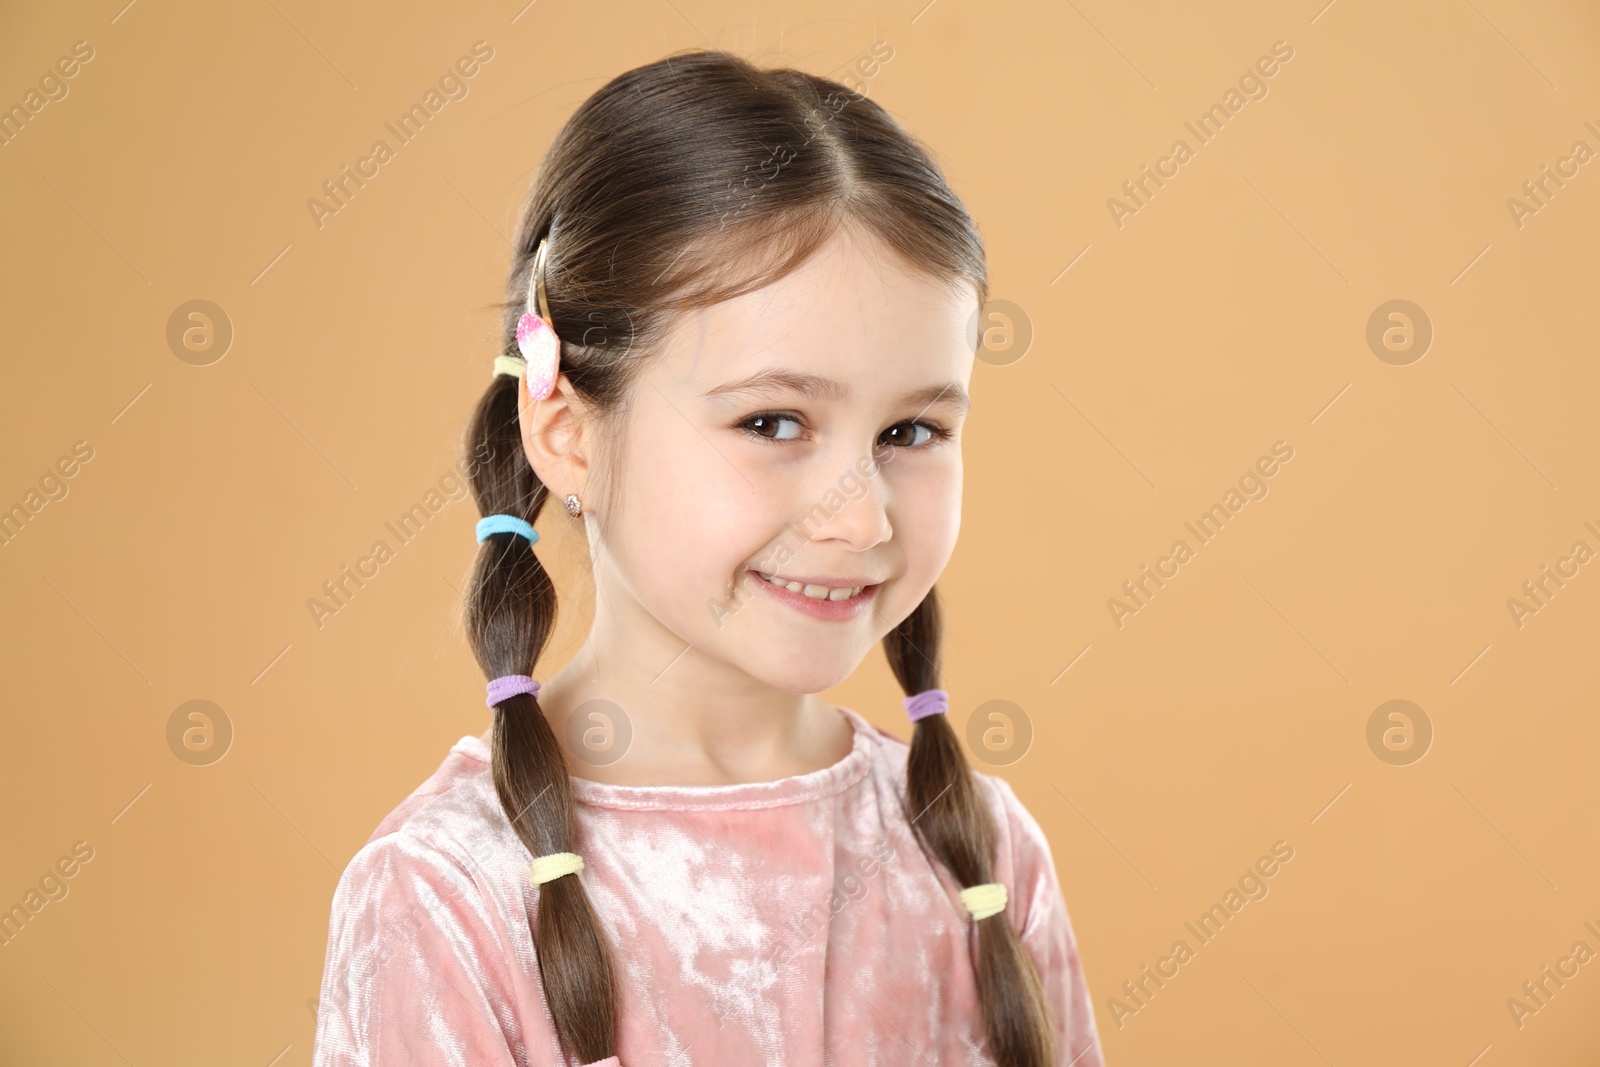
point(740, 331)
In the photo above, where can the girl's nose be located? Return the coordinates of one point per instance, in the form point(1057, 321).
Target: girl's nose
point(848, 507)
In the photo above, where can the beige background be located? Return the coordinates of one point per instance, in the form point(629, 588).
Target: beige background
point(1228, 313)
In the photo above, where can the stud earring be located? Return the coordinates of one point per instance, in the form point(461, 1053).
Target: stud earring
point(574, 508)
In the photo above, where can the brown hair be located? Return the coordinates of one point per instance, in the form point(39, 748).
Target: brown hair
point(677, 185)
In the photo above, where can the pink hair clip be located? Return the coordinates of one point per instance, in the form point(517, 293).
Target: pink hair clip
point(536, 337)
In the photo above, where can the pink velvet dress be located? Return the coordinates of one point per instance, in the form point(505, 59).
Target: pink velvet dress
point(793, 923)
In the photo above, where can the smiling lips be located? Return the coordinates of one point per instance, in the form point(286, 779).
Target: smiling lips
point(829, 599)
point(816, 590)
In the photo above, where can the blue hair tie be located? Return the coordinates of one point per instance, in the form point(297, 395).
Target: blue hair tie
point(493, 524)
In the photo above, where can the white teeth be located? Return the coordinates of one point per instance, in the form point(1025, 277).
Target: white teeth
point(815, 592)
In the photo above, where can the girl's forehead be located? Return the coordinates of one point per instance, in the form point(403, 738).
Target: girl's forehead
point(868, 346)
point(844, 312)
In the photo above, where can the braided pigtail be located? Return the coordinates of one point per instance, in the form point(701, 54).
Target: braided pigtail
point(956, 828)
point(511, 612)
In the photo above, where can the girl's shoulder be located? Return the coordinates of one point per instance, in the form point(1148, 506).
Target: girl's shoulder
point(450, 830)
point(464, 768)
point(1023, 856)
point(427, 931)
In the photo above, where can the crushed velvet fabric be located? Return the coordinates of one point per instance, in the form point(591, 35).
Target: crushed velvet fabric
point(793, 923)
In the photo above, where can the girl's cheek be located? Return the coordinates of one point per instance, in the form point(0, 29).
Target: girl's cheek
point(697, 512)
point(930, 518)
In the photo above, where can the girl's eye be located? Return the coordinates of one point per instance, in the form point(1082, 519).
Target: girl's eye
point(913, 433)
point(777, 426)
point(769, 424)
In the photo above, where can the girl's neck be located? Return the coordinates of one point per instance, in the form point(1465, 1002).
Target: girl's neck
point(673, 738)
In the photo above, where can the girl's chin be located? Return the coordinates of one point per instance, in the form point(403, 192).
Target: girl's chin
point(806, 677)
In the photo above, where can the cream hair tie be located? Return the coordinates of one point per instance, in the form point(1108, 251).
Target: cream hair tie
point(544, 868)
point(512, 365)
point(984, 900)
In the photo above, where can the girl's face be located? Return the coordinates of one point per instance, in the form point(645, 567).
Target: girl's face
point(809, 431)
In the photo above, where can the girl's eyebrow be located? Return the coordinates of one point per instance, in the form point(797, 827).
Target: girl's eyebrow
point(816, 387)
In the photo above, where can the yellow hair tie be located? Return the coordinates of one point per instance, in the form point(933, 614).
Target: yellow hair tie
point(512, 365)
point(544, 868)
point(984, 900)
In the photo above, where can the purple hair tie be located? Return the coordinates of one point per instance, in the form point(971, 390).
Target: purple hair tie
point(510, 685)
point(928, 702)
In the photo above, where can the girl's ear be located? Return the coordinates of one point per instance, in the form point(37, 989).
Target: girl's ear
point(555, 437)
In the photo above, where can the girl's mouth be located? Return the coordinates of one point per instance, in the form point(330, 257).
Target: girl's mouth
point(831, 599)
